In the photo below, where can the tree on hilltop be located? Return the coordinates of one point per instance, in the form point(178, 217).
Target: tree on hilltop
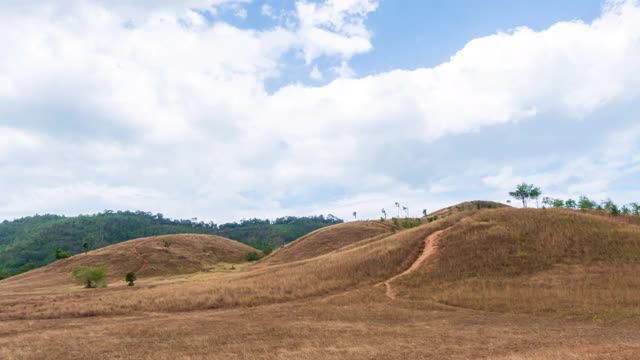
point(584, 203)
point(523, 193)
point(535, 195)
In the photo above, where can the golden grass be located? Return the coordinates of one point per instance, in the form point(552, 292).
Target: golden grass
point(503, 284)
point(326, 240)
point(355, 266)
point(147, 257)
point(357, 325)
point(547, 262)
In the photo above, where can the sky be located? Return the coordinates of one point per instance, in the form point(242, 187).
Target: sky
point(233, 109)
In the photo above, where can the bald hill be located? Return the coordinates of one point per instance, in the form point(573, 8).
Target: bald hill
point(31, 242)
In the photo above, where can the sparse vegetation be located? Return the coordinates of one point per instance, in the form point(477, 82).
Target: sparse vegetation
point(90, 277)
point(410, 223)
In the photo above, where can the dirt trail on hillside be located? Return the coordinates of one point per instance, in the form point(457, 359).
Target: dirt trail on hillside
point(429, 249)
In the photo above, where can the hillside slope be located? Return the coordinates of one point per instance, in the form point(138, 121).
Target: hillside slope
point(146, 257)
point(553, 261)
point(543, 261)
point(30, 242)
point(466, 206)
point(328, 239)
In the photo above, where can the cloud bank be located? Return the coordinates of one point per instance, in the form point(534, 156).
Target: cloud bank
point(164, 107)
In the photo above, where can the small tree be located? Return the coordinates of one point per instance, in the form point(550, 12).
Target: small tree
point(522, 192)
point(584, 203)
point(90, 277)
point(558, 203)
point(535, 195)
point(570, 204)
point(61, 254)
point(635, 208)
point(398, 207)
point(610, 207)
point(424, 212)
point(85, 247)
point(130, 278)
point(355, 215)
point(384, 213)
point(406, 211)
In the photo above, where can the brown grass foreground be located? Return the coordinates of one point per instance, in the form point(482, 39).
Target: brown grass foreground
point(503, 284)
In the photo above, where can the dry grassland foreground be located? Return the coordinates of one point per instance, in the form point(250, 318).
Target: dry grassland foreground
point(502, 283)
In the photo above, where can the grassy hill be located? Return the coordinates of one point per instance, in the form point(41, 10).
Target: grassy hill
point(165, 255)
point(551, 261)
point(30, 242)
point(471, 284)
point(328, 239)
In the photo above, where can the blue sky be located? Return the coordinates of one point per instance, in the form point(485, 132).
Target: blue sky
point(228, 109)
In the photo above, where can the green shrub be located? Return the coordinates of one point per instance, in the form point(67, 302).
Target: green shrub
point(61, 254)
point(408, 224)
point(167, 243)
point(253, 256)
point(90, 277)
point(267, 250)
point(130, 278)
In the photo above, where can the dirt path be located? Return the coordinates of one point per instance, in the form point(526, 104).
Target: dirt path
point(429, 249)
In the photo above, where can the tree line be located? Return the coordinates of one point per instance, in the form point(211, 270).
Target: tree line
point(528, 192)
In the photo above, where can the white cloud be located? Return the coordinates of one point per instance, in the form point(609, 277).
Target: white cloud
point(267, 10)
point(344, 71)
point(316, 74)
point(171, 114)
point(334, 28)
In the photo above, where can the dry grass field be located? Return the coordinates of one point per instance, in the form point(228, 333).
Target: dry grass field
point(491, 283)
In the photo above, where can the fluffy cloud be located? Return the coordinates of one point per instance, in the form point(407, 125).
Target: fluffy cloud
point(156, 106)
point(335, 27)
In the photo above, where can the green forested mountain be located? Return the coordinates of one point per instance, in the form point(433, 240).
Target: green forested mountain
point(31, 242)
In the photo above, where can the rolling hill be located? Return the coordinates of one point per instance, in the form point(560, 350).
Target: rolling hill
point(30, 242)
point(166, 255)
point(512, 275)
